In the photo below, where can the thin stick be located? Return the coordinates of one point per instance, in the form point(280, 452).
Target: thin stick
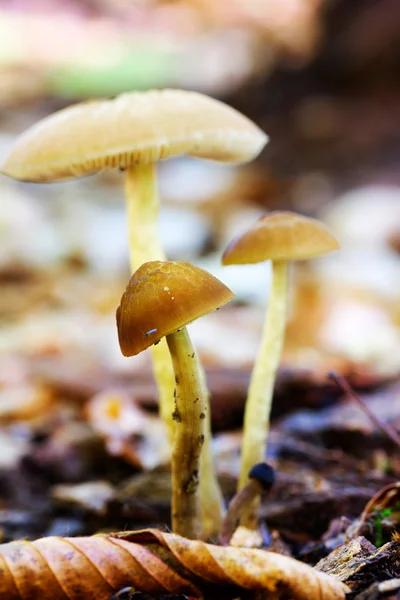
point(348, 391)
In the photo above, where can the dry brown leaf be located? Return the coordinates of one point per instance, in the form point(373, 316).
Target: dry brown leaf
point(151, 561)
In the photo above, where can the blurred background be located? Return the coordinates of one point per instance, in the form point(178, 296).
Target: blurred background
point(321, 77)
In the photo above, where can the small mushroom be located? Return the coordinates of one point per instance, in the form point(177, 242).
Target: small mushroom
point(160, 300)
point(280, 237)
point(261, 478)
point(132, 132)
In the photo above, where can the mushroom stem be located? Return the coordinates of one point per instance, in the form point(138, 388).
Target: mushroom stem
point(259, 399)
point(212, 502)
point(143, 214)
point(145, 245)
point(190, 419)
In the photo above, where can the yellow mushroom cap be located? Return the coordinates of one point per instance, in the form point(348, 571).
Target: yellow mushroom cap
point(281, 235)
point(136, 127)
point(163, 296)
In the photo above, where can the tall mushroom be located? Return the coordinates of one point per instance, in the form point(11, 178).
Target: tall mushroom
point(132, 132)
point(280, 237)
point(160, 300)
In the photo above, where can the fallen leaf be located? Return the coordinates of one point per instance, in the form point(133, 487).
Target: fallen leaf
point(81, 568)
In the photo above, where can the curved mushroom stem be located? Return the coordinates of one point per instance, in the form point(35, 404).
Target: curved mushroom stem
point(145, 245)
point(259, 399)
point(190, 419)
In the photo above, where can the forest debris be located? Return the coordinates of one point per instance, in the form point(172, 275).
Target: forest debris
point(344, 561)
point(366, 216)
point(92, 496)
point(294, 32)
point(24, 401)
point(72, 452)
point(380, 516)
point(17, 523)
point(146, 495)
point(394, 241)
point(153, 562)
point(351, 394)
point(386, 589)
point(332, 538)
point(128, 430)
point(359, 564)
point(308, 515)
point(12, 449)
point(246, 538)
point(345, 426)
point(151, 486)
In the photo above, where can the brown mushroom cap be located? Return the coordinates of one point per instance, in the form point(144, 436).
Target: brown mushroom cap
point(280, 235)
point(163, 296)
point(137, 127)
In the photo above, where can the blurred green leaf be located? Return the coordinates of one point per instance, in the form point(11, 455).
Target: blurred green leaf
point(141, 68)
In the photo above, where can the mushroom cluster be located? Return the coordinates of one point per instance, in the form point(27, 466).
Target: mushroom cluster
point(132, 132)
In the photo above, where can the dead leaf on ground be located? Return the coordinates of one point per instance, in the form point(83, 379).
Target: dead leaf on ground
point(154, 562)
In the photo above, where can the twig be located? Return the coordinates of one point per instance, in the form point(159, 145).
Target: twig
point(350, 393)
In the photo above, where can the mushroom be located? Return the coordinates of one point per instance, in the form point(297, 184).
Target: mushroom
point(132, 132)
point(280, 236)
point(160, 300)
point(261, 478)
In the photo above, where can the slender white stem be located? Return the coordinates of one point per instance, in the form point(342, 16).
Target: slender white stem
point(145, 245)
point(259, 399)
point(143, 215)
point(190, 418)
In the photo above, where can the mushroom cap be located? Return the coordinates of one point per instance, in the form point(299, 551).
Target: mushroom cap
point(160, 298)
point(280, 235)
point(264, 474)
point(133, 128)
